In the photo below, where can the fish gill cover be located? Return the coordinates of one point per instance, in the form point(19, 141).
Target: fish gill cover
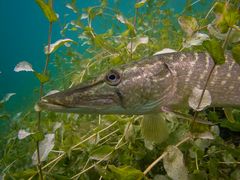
point(202, 143)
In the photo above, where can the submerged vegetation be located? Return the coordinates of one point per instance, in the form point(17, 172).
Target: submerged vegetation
point(49, 145)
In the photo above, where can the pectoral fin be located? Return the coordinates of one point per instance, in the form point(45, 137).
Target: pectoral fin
point(154, 128)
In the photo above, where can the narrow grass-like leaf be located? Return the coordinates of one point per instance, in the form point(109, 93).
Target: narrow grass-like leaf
point(41, 77)
point(141, 3)
point(56, 45)
point(47, 10)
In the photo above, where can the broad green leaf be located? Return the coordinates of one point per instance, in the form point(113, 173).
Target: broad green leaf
point(45, 146)
point(188, 24)
point(23, 66)
point(53, 47)
point(232, 126)
point(38, 136)
point(174, 165)
point(215, 50)
point(47, 10)
point(41, 77)
point(24, 174)
point(125, 173)
point(140, 3)
point(236, 53)
point(101, 152)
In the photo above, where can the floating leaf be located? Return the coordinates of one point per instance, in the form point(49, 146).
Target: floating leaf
point(41, 77)
point(194, 99)
point(216, 51)
point(23, 66)
point(195, 40)
point(173, 163)
point(47, 10)
point(236, 53)
point(101, 153)
point(125, 173)
point(165, 51)
point(140, 3)
point(45, 146)
point(23, 134)
point(56, 45)
point(188, 24)
point(136, 42)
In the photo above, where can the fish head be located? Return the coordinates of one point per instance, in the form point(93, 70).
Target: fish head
point(127, 90)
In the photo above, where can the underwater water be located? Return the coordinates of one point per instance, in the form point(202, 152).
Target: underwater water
point(87, 39)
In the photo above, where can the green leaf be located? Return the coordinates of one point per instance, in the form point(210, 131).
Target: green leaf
point(47, 10)
point(232, 126)
point(101, 152)
point(4, 116)
point(53, 47)
point(41, 77)
point(125, 173)
point(25, 174)
point(141, 3)
point(236, 53)
point(38, 136)
point(215, 50)
point(188, 24)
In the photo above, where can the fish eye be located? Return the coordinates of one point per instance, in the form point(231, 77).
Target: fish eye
point(113, 78)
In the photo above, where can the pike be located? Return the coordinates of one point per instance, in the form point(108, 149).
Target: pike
point(150, 85)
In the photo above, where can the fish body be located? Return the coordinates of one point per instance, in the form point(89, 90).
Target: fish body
point(149, 85)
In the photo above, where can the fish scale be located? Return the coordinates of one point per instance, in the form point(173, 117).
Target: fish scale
point(146, 86)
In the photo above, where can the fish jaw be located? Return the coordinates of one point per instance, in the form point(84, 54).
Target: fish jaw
point(96, 98)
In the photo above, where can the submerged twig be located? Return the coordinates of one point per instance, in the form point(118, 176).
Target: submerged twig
point(163, 155)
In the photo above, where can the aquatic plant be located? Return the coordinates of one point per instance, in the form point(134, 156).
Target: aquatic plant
point(73, 146)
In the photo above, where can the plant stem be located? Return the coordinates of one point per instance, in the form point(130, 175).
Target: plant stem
point(164, 154)
point(134, 25)
point(41, 94)
point(209, 76)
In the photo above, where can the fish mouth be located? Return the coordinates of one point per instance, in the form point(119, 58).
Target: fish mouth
point(91, 106)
